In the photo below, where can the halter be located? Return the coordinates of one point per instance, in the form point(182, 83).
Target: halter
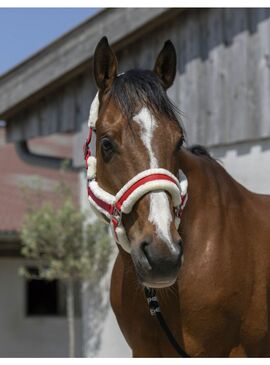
point(112, 207)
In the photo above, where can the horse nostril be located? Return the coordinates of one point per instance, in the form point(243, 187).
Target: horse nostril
point(179, 243)
point(140, 257)
point(143, 245)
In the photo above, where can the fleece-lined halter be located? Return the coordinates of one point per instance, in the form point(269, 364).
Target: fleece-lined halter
point(112, 207)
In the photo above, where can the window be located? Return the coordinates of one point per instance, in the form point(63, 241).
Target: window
point(41, 297)
point(47, 298)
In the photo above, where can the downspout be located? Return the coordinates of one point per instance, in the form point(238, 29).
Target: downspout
point(45, 161)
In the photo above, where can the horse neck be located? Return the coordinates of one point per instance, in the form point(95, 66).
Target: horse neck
point(210, 191)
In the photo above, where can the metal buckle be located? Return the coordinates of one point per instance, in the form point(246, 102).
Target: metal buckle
point(152, 301)
point(116, 215)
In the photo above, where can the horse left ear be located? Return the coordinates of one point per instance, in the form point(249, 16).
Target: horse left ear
point(165, 66)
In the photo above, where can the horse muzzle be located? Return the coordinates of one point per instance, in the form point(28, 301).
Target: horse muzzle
point(157, 263)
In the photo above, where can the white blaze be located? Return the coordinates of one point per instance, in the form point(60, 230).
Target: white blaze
point(160, 213)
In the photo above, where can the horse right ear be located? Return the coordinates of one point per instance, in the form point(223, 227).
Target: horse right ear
point(105, 65)
point(165, 66)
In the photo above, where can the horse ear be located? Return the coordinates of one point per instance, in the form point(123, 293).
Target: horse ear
point(105, 64)
point(165, 66)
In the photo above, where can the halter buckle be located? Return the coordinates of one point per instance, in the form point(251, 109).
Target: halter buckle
point(116, 216)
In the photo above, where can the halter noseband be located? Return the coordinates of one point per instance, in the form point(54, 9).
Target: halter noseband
point(112, 207)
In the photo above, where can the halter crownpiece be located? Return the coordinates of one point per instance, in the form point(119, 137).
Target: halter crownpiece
point(111, 207)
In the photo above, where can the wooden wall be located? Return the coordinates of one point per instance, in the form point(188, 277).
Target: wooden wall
point(222, 84)
point(223, 77)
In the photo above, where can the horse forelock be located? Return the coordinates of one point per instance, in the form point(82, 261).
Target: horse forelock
point(136, 89)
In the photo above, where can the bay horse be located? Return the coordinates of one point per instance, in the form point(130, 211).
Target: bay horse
point(211, 272)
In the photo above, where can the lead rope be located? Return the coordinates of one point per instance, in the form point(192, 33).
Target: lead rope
point(155, 311)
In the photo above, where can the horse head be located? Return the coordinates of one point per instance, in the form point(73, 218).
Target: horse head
point(138, 137)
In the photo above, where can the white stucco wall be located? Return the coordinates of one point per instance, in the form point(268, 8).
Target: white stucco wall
point(113, 343)
point(101, 337)
point(248, 163)
point(22, 336)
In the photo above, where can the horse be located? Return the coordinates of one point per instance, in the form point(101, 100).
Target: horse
point(211, 273)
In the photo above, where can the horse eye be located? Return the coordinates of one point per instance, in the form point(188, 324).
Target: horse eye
point(106, 145)
point(180, 142)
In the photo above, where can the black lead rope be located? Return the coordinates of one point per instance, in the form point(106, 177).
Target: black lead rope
point(155, 311)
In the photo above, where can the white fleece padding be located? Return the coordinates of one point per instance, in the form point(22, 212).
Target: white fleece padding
point(101, 193)
point(97, 209)
point(92, 167)
point(99, 214)
point(122, 238)
point(93, 113)
point(160, 185)
point(183, 182)
point(177, 222)
point(143, 174)
point(173, 189)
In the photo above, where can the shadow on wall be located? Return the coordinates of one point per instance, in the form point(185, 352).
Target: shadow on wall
point(241, 149)
point(206, 29)
point(195, 33)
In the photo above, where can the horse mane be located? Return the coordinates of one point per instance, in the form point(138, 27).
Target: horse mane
point(135, 89)
point(199, 150)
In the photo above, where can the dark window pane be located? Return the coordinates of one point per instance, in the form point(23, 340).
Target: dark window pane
point(46, 298)
point(41, 296)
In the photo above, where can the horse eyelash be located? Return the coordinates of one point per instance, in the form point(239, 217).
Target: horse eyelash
point(180, 142)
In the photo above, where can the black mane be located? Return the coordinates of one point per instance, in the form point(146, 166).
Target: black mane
point(199, 150)
point(135, 89)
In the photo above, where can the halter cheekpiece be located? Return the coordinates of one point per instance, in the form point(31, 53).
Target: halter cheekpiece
point(111, 207)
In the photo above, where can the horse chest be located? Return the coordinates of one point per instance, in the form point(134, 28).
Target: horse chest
point(142, 331)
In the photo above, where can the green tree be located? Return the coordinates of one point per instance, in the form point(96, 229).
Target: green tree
point(57, 237)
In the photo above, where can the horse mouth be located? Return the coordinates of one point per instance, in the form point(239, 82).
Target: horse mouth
point(155, 280)
point(159, 284)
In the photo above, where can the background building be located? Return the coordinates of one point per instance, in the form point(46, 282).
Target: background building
point(222, 87)
point(32, 312)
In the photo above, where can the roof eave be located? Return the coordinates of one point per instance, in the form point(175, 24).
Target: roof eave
point(71, 54)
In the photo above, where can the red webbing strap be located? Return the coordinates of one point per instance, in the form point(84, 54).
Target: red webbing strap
point(87, 153)
point(106, 206)
point(140, 182)
point(179, 211)
point(183, 200)
point(86, 149)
